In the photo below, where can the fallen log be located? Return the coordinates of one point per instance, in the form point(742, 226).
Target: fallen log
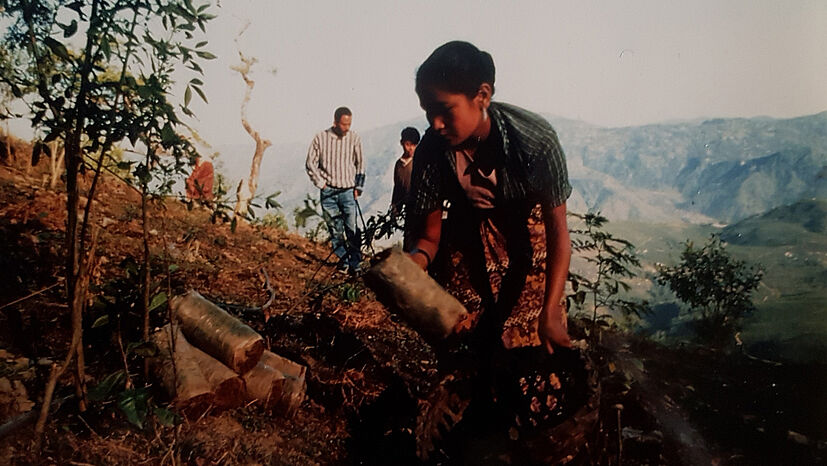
point(225, 387)
point(179, 374)
point(217, 333)
point(404, 287)
point(277, 384)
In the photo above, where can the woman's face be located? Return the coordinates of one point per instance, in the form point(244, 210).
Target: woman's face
point(455, 116)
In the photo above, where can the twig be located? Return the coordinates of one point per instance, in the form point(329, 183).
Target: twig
point(270, 291)
point(89, 427)
point(31, 295)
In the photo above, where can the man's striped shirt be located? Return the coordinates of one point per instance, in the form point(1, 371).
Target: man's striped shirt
point(336, 161)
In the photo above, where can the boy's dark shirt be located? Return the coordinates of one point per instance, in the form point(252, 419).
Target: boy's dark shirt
point(401, 183)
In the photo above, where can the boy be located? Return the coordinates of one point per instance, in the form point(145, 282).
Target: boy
point(402, 169)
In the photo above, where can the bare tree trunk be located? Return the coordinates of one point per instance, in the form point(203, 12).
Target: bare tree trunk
point(56, 163)
point(8, 145)
point(146, 267)
point(244, 194)
point(80, 370)
point(75, 347)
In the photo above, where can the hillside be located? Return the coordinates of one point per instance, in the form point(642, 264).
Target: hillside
point(367, 369)
point(788, 242)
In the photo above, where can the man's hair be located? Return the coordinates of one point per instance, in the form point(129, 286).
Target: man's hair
point(410, 134)
point(456, 67)
point(340, 112)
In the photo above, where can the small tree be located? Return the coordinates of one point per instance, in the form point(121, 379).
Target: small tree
point(613, 259)
point(112, 89)
point(715, 286)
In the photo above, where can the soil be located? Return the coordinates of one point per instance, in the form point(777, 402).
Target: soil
point(369, 374)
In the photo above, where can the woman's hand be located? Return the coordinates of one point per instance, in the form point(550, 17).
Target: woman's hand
point(553, 330)
point(427, 245)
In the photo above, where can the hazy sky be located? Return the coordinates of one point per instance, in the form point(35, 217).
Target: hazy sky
point(612, 63)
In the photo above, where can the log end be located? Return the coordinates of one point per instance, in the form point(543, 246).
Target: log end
point(248, 356)
point(230, 393)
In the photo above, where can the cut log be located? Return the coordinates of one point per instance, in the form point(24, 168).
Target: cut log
point(183, 382)
point(217, 333)
point(227, 386)
point(276, 383)
point(404, 287)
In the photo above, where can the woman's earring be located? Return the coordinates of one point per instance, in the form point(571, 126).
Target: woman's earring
point(484, 114)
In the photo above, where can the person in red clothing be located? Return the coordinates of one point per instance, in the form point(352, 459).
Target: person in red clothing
point(200, 182)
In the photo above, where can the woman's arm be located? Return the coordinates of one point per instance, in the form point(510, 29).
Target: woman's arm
point(426, 246)
point(552, 328)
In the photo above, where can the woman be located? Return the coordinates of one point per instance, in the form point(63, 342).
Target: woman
point(480, 170)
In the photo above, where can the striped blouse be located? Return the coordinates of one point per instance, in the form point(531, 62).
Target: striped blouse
point(336, 161)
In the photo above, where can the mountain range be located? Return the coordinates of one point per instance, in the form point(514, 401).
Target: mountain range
point(710, 171)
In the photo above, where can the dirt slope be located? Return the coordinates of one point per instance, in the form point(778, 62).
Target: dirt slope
point(368, 372)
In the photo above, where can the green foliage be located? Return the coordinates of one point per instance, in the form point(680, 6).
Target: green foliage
point(349, 292)
point(311, 219)
point(382, 226)
point(613, 260)
point(116, 87)
point(273, 220)
point(134, 404)
point(715, 286)
point(118, 300)
point(107, 387)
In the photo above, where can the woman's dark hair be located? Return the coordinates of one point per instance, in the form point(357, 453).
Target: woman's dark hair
point(456, 67)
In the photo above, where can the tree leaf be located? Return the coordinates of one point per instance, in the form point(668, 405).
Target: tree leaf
point(187, 96)
point(101, 321)
point(77, 7)
point(205, 55)
point(105, 47)
point(157, 301)
point(133, 404)
point(57, 48)
point(105, 387)
point(143, 348)
point(165, 417)
point(201, 94)
point(36, 151)
point(168, 136)
point(70, 29)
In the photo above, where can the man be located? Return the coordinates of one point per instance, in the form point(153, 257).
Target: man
point(335, 166)
point(402, 169)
